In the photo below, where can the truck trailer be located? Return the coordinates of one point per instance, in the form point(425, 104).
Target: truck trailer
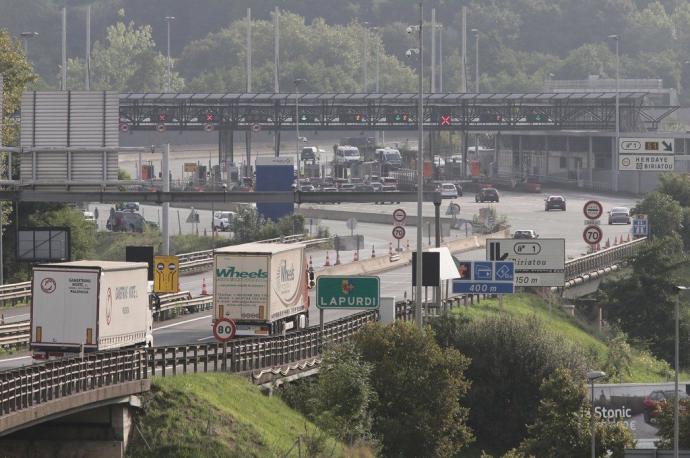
point(89, 306)
point(262, 287)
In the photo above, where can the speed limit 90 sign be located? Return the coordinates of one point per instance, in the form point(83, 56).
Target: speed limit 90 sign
point(224, 329)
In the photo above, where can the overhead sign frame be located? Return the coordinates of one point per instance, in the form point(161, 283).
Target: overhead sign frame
point(538, 262)
point(646, 154)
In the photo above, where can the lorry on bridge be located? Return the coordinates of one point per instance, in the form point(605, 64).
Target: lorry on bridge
point(89, 306)
point(262, 287)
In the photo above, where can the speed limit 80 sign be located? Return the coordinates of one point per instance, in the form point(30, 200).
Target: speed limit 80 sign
point(224, 329)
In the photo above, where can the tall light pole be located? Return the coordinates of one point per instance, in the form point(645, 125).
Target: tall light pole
point(614, 155)
point(276, 50)
point(365, 83)
point(298, 81)
point(475, 32)
point(440, 58)
point(676, 367)
point(26, 36)
point(87, 57)
point(420, 161)
point(168, 88)
point(63, 70)
point(591, 377)
point(249, 50)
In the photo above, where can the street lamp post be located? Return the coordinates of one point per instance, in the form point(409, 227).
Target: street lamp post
point(169, 19)
point(591, 377)
point(298, 81)
point(614, 165)
point(676, 367)
point(475, 32)
point(364, 57)
point(420, 160)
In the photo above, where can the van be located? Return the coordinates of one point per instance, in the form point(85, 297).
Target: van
point(347, 155)
point(389, 157)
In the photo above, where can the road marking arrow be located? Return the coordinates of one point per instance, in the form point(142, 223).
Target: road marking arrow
point(495, 252)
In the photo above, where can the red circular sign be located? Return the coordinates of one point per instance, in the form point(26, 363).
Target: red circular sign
point(399, 215)
point(399, 232)
point(593, 209)
point(48, 285)
point(592, 234)
point(224, 329)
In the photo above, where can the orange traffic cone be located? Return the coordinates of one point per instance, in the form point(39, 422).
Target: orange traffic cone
point(628, 237)
point(204, 291)
point(598, 247)
point(311, 264)
point(328, 260)
point(407, 245)
point(373, 251)
point(608, 243)
point(337, 258)
point(390, 248)
point(615, 241)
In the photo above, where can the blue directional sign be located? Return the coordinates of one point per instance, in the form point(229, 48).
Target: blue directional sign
point(640, 226)
point(488, 277)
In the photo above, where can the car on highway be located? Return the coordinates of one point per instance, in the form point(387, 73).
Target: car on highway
point(89, 217)
point(439, 161)
point(525, 234)
point(222, 220)
point(448, 191)
point(554, 202)
point(376, 185)
point(619, 215)
point(307, 188)
point(364, 188)
point(653, 401)
point(127, 206)
point(125, 221)
point(347, 187)
point(487, 195)
point(347, 155)
point(329, 189)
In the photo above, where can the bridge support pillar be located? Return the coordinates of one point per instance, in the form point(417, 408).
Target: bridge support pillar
point(226, 151)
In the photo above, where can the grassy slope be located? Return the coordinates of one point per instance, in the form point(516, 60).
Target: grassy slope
point(244, 422)
point(644, 369)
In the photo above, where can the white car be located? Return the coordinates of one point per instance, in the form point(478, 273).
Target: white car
point(222, 221)
point(448, 191)
point(439, 161)
point(89, 216)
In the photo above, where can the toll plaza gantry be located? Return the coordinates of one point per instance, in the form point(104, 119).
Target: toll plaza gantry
point(464, 112)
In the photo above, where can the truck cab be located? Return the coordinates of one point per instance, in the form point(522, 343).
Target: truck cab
point(389, 158)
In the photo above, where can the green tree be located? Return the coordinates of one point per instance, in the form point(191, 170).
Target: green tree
point(562, 423)
point(82, 233)
point(677, 186)
point(510, 358)
point(343, 394)
point(328, 58)
point(618, 357)
point(17, 73)
point(665, 424)
point(419, 388)
point(642, 304)
point(127, 61)
point(663, 212)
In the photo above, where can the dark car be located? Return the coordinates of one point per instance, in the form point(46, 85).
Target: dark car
point(364, 188)
point(554, 202)
point(128, 206)
point(619, 215)
point(652, 400)
point(487, 195)
point(525, 234)
point(126, 221)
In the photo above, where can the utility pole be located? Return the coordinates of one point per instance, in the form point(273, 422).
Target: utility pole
point(433, 50)
point(87, 75)
point(463, 60)
point(276, 50)
point(364, 57)
point(165, 226)
point(63, 73)
point(249, 50)
point(420, 171)
point(169, 19)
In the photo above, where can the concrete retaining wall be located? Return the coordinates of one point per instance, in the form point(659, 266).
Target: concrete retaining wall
point(363, 217)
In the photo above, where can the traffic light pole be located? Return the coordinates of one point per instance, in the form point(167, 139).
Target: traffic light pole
point(420, 170)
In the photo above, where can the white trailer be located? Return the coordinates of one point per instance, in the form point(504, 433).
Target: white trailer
point(94, 305)
point(262, 287)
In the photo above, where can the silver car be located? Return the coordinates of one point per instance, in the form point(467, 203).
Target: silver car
point(619, 215)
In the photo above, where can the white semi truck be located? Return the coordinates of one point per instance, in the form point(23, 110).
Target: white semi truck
point(262, 287)
point(94, 305)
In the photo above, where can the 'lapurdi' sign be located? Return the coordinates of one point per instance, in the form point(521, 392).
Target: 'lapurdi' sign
point(347, 292)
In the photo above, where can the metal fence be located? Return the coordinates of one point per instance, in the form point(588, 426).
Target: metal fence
point(28, 386)
point(601, 259)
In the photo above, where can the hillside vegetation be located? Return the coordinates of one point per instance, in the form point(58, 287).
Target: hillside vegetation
point(222, 415)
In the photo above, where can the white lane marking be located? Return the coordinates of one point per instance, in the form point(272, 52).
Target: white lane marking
point(206, 338)
point(15, 359)
point(182, 322)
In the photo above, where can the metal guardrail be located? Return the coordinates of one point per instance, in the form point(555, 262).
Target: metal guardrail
point(602, 259)
point(29, 386)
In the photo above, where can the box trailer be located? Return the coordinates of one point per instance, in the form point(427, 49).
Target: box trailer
point(94, 305)
point(262, 287)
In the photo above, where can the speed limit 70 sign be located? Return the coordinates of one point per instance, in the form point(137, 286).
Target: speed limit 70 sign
point(224, 329)
point(592, 234)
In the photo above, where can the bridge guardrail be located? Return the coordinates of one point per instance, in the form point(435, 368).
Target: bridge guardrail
point(601, 259)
